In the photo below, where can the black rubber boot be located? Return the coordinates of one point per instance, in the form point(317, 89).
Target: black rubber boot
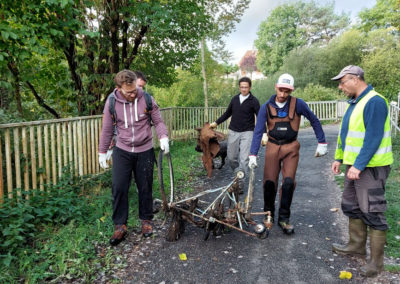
point(269, 198)
point(357, 239)
point(284, 208)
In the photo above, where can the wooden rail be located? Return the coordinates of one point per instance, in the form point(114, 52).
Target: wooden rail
point(34, 154)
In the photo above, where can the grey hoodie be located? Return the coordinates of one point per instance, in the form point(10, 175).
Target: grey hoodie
point(133, 129)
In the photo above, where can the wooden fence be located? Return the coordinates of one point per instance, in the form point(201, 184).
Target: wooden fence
point(35, 154)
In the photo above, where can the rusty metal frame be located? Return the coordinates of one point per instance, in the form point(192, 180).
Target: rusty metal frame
point(188, 205)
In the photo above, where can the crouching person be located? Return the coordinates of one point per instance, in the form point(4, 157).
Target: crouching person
point(133, 153)
point(365, 147)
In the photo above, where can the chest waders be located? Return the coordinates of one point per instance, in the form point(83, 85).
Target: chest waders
point(281, 155)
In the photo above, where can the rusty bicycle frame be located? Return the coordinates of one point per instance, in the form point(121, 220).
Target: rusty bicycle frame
point(225, 211)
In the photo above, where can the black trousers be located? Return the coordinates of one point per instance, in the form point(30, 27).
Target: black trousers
point(142, 165)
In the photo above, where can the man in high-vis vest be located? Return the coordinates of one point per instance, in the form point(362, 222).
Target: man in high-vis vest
point(364, 146)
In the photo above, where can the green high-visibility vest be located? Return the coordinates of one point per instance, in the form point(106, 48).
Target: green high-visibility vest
point(355, 137)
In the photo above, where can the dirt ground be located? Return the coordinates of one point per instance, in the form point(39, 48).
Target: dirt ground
point(304, 257)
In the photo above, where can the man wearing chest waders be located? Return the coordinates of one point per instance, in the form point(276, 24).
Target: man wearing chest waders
point(280, 118)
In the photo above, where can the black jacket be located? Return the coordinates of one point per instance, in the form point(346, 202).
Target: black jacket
point(242, 114)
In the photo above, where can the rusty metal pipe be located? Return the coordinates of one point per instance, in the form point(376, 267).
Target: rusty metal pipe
point(218, 221)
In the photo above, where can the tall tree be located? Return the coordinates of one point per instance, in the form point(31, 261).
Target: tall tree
point(99, 38)
point(385, 14)
point(292, 25)
point(223, 15)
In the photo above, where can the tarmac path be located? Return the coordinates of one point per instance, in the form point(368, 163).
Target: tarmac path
point(304, 257)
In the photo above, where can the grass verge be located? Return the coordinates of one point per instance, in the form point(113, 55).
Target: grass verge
point(54, 237)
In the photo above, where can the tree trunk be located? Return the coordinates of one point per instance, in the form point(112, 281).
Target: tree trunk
point(124, 51)
point(114, 29)
point(135, 49)
point(70, 52)
point(12, 66)
point(203, 72)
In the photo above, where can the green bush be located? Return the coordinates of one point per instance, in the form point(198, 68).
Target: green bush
point(59, 204)
point(315, 92)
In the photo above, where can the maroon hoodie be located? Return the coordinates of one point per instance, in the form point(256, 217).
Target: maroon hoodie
point(133, 128)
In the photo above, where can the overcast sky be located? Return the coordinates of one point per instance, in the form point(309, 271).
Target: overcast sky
point(241, 40)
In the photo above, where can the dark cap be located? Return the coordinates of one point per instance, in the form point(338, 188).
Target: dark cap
point(351, 69)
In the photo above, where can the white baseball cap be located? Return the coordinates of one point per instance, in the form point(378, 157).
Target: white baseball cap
point(285, 81)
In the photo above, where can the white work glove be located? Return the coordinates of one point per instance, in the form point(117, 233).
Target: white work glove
point(213, 125)
point(322, 149)
point(264, 139)
point(252, 161)
point(103, 160)
point(109, 154)
point(164, 145)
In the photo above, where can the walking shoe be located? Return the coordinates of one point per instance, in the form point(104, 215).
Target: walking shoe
point(119, 235)
point(286, 227)
point(147, 228)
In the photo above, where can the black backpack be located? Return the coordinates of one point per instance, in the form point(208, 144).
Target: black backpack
point(111, 107)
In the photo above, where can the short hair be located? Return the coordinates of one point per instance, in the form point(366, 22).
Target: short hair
point(140, 75)
point(125, 77)
point(245, 79)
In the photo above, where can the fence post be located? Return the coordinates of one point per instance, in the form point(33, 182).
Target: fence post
point(398, 99)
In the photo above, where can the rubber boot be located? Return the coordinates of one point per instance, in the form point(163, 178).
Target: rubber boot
point(357, 239)
point(269, 198)
point(377, 240)
point(287, 191)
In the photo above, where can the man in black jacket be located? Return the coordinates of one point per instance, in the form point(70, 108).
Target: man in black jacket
point(242, 108)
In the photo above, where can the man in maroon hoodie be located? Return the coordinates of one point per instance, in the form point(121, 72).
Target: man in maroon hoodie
point(133, 151)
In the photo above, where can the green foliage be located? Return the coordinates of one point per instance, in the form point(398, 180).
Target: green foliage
point(318, 64)
point(277, 36)
point(264, 89)
point(187, 90)
point(382, 64)
point(377, 53)
point(229, 68)
point(67, 52)
point(317, 93)
point(385, 14)
point(293, 25)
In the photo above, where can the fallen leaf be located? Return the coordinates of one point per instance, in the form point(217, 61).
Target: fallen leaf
point(334, 209)
point(182, 256)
